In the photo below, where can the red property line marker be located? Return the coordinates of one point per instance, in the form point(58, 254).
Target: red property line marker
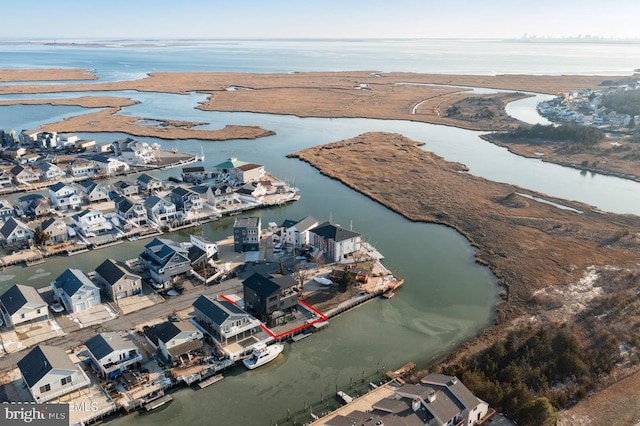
point(322, 318)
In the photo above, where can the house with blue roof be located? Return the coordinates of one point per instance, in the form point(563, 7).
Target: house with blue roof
point(165, 260)
point(75, 291)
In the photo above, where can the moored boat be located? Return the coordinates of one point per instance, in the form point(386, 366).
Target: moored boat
point(262, 354)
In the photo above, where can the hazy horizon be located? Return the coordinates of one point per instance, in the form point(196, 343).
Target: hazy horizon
point(329, 19)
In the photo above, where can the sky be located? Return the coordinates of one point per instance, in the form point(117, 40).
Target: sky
point(185, 19)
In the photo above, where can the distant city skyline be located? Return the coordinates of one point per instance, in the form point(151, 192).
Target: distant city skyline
point(202, 19)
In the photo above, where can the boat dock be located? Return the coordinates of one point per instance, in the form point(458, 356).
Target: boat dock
point(345, 397)
point(158, 402)
point(211, 380)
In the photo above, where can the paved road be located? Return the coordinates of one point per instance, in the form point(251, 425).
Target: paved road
point(125, 322)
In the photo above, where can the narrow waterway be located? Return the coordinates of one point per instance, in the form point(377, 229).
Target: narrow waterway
point(446, 299)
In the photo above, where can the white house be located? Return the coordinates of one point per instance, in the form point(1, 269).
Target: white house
point(130, 211)
point(81, 168)
point(334, 241)
point(24, 175)
point(136, 152)
point(15, 232)
point(23, 304)
point(75, 291)
point(49, 373)
point(6, 210)
point(225, 322)
point(112, 353)
point(108, 165)
point(64, 196)
point(160, 210)
point(296, 234)
point(91, 223)
point(49, 172)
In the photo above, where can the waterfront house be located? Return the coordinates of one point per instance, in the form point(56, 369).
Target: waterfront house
point(75, 291)
point(251, 192)
point(68, 140)
point(249, 172)
point(117, 281)
point(49, 373)
point(224, 321)
point(148, 183)
point(56, 229)
point(112, 353)
point(29, 159)
point(47, 140)
point(239, 172)
point(16, 233)
point(175, 340)
point(125, 188)
point(159, 210)
point(216, 195)
point(246, 234)
point(165, 260)
point(81, 168)
point(209, 248)
point(5, 181)
point(91, 223)
point(93, 192)
point(296, 234)
point(24, 175)
point(6, 210)
point(50, 172)
point(270, 299)
point(22, 304)
point(64, 196)
point(438, 400)
point(133, 213)
point(108, 165)
point(186, 200)
point(334, 241)
point(137, 152)
point(194, 174)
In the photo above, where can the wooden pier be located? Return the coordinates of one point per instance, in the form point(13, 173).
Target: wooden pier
point(158, 402)
point(211, 380)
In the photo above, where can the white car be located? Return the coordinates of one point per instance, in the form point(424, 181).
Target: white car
point(57, 308)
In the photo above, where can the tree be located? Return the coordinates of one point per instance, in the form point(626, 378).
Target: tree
point(347, 281)
point(539, 412)
point(40, 237)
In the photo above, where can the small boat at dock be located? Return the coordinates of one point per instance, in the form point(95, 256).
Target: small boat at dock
point(262, 354)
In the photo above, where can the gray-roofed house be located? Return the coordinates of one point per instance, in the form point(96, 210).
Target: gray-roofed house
point(131, 211)
point(6, 210)
point(93, 192)
point(108, 165)
point(194, 174)
point(186, 200)
point(91, 223)
point(175, 339)
point(148, 183)
point(334, 241)
point(165, 260)
point(270, 299)
point(159, 210)
point(49, 172)
point(224, 321)
point(246, 234)
point(26, 200)
point(297, 233)
point(112, 353)
point(23, 304)
point(48, 373)
point(15, 232)
point(23, 175)
point(116, 280)
point(75, 291)
point(64, 196)
point(56, 229)
point(80, 168)
point(125, 188)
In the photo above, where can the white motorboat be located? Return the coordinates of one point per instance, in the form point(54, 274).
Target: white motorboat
point(262, 354)
point(323, 280)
